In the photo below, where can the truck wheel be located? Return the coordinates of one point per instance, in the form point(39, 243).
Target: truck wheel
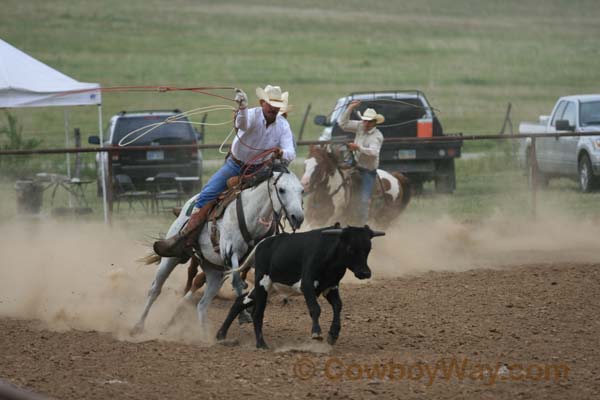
point(587, 180)
point(445, 180)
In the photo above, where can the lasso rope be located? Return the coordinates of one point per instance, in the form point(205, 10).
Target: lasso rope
point(176, 119)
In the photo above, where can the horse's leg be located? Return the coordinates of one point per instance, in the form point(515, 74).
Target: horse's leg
point(164, 270)
point(192, 271)
point(214, 281)
point(239, 285)
point(243, 275)
point(197, 283)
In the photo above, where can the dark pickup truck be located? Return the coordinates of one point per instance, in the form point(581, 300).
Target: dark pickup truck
point(407, 114)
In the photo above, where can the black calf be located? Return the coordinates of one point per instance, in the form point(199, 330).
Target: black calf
point(308, 263)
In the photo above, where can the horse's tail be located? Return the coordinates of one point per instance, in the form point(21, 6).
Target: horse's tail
point(405, 185)
point(151, 258)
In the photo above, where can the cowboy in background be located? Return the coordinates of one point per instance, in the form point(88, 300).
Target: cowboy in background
point(258, 129)
point(367, 143)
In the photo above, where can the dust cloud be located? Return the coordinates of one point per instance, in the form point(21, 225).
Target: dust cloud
point(85, 275)
point(499, 241)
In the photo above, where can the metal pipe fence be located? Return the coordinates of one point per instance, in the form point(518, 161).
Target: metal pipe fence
point(534, 172)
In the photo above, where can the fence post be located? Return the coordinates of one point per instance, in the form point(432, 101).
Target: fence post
point(304, 121)
point(534, 176)
point(109, 185)
point(77, 135)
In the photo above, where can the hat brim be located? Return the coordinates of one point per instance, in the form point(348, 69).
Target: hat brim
point(379, 119)
point(262, 95)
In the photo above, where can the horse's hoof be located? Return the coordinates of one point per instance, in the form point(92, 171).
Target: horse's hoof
point(262, 346)
point(244, 318)
point(331, 339)
point(137, 329)
point(317, 336)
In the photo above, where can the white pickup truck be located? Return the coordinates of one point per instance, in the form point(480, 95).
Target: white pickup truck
point(575, 157)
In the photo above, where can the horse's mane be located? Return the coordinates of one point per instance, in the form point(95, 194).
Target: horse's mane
point(279, 167)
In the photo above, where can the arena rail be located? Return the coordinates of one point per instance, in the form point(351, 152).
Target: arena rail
point(452, 137)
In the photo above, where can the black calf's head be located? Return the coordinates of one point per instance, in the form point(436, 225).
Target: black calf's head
point(355, 244)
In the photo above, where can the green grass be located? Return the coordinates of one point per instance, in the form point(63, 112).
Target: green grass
point(471, 58)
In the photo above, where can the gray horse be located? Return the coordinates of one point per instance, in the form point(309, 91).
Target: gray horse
point(279, 195)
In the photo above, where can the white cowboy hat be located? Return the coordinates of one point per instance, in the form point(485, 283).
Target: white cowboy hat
point(272, 95)
point(370, 115)
point(286, 107)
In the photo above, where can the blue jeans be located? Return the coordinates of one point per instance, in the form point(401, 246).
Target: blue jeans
point(367, 178)
point(218, 182)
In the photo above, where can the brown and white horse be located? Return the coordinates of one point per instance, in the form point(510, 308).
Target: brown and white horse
point(328, 183)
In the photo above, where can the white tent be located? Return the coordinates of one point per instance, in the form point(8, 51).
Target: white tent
point(27, 82)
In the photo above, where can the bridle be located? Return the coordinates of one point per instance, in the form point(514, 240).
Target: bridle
point(277, 215)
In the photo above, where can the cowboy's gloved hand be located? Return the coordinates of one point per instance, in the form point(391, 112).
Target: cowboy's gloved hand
point(353, 146)
point(241, 98)
point(278, 153)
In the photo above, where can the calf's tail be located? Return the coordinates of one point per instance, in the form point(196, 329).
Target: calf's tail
point(246, 265)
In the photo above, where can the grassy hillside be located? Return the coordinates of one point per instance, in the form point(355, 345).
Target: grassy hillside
point(471, 57)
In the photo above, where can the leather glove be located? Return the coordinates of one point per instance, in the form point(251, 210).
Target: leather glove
point(241, 98)
point(278, 153)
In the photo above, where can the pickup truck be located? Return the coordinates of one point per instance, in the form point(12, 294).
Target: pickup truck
point(576, 157)
point(407, 114)
point(138, 129)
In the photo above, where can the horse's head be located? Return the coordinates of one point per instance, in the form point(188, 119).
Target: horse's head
point(286, 196)
point(319, 165)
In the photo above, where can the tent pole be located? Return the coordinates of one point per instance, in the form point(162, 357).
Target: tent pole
point(102, 171)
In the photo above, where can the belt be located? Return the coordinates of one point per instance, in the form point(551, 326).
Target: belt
point(239, 163)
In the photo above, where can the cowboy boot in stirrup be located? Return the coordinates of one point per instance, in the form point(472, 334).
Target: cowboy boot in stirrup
point(176, 245)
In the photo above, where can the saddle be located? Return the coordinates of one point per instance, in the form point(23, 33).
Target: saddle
point(235, 186)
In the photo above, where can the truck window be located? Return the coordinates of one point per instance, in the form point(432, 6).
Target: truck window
point(589, 113)
point(559, 111)
point(569, 113)
point(172, 133)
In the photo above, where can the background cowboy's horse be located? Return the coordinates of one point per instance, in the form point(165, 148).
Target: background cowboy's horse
point(329, 181)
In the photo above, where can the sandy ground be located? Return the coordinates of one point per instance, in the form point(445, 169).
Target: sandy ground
point(504, 329)
point(501, 310)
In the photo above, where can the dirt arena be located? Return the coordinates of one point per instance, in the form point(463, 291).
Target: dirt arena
point(481, 325)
